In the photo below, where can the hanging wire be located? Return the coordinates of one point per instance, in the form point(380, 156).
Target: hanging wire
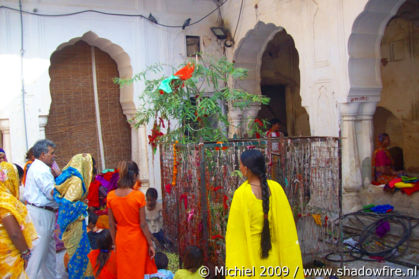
point(22, 53)
point(238, 19)
point(113, 14)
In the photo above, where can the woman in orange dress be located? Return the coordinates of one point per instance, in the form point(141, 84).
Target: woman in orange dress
point(128, 226)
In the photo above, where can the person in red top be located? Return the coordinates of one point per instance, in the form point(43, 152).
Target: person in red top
point(382, 163)
point(103, 259)
point(274, 132)
point(128, 226)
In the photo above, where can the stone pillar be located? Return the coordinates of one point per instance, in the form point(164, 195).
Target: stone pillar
point(234, 119)
point(351, 173)
point(249, 116)
point(365, 139)
point(139, 150)
point(5, 130)
point(142, 153)
point(43, 120)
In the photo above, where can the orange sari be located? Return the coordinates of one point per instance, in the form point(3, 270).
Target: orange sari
point(132, 257)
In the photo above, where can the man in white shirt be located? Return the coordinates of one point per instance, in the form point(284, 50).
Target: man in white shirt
point(41, 206)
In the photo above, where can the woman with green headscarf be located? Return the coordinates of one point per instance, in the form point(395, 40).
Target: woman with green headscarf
point(70, 192)
point(16, 229)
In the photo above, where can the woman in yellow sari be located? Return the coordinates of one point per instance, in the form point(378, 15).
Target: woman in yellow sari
point(16, 230)
point(261, 238)
point(70, 192)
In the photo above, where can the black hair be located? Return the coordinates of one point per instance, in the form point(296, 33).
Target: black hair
point(93, 218)
point(152, 193)
point(94, 169)
point(29, 154)
point(104, 243)
point(19, 171)
point(274, 121)
point(255, 161)
point(128, 170)
point(161, 260)
point(193, 259)
point(382, 137)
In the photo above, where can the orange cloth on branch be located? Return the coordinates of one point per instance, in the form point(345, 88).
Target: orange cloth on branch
point(131, 244)
point(186, 72)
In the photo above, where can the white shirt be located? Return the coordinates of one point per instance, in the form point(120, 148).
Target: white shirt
point(154, 218)
point(39, 184)
point(275, 145)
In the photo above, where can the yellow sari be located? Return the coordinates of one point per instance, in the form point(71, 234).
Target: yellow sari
point(11, 264)
point(70, 192)
point(243, 236)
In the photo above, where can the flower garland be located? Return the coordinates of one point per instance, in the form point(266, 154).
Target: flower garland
point(155, 135)
point(174, 165)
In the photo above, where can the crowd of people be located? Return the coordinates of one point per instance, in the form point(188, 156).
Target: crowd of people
point(126, 246)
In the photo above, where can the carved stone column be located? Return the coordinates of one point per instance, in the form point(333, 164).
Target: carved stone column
point(139, 150)
point(43, 120)
point(249, 116)
point(365, 139)
point(142, 152)
point(234, 119)
point(5, 131)
point(351, 173)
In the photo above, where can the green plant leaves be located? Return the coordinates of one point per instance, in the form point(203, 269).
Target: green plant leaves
point(197, 107)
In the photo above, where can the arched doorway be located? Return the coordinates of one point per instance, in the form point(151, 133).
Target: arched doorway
point(280, 81)
point(78, 122)
point(364, 93)
point(400, 96)
point(253, 53)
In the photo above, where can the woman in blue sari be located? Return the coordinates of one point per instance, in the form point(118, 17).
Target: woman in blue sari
point(70, 192)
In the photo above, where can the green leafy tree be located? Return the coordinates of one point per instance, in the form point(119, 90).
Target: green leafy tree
point(195, 110)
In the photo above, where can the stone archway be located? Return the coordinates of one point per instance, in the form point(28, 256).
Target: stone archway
point(123, 63)
point(249, 55)
point(363, 94)
point(126, 97)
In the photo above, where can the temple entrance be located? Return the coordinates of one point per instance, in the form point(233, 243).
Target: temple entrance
point(280, 81)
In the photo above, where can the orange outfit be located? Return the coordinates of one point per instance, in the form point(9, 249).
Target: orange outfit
point(131, 243)
point(109, 269)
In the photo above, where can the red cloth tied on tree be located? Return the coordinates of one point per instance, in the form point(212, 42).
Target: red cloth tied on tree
point(186, 72)
point(225, 202)
point(184, 197)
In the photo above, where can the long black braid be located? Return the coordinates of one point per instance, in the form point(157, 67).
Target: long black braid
point(255, 161)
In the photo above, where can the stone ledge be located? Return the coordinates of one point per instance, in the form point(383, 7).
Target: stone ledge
point(403, 203)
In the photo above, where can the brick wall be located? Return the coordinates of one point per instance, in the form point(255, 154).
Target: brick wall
point(72, 119)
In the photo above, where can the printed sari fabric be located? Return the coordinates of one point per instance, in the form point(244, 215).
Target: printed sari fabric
point(381, 158)
point(70, 192)
point(11, 264)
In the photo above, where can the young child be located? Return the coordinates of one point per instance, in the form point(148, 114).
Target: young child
point(153, 216)
point(192, 263)
point(162, 262)
point(92, 231)
point(103, 259)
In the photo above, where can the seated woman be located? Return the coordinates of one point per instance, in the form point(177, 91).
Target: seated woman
point(382, 163)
